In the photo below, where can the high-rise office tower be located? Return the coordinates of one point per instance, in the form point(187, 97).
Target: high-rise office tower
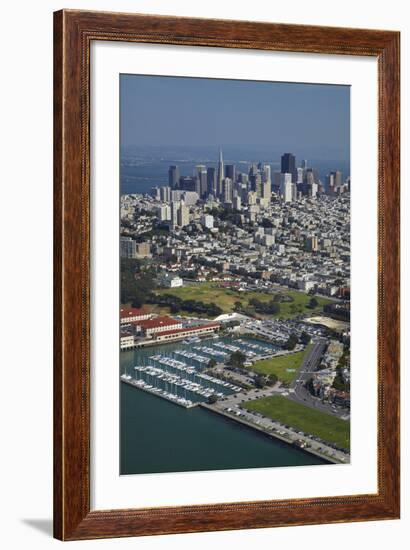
point(175, 206)
point(266, 172)
point(243, 178)
point(251, 198)
point(196, 175)
point(311, 175)
point(173, 177)
point(164, 212)
point(310, 178)
point(227, 190)
point(294, 192)
point(183, 215)
point(266, 181)
point(187, 183)
point(198, 169)
point(237, 203)
point(221, 174)
point(256, 183)
point(155, 193)
point(253, 170)
point(266, 189)
point(276, 181)
point(165, 194)
point(334, 182)
point(288, 165)
point(211, 181)
point(338, 178)
point(286, 187)
point(202, 183)
point(230, 172)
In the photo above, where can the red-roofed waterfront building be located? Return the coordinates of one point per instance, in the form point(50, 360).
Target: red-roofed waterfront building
point(150, 327)
point(131, 314)
point(186, 332)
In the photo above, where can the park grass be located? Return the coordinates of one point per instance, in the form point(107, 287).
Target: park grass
point(210, 293)
point(329, 428)
point(225, 298)
point(298, 306)
point(279, 365)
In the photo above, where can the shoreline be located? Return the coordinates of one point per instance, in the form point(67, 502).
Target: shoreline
point(272, 435)
point(208, 407)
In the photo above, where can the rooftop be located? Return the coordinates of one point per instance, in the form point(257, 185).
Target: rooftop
point(159, 322)
point(132, 312)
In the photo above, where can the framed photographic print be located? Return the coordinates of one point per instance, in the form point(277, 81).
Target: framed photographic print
point(226, 275)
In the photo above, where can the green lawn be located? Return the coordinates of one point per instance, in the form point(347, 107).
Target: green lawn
point(225, 298)
point(298, 306)
point(327, 427)
point(209, 293)
point(279, 365)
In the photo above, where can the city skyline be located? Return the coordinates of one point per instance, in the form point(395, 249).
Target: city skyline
point(235, 275)
point(159, 111)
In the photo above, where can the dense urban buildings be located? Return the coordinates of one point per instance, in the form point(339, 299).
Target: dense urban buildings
point(243, 252)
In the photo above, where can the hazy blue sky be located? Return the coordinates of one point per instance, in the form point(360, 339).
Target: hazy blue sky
point(307, 119)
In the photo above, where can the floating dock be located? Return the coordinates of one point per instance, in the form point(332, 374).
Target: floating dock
point(172, 398)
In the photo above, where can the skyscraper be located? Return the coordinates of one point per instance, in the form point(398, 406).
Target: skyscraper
point(334, 182)
point(200, 175)
point(227, 190)
point(266, 171)
point(165, 194)
point(256, 183)
point(198, 169)
point(266, 189)
point(277, 180)
point(183, 215)
point(243, 178)
point(187, 183)
point(175, 206)
point(211, 181)
point(286, 187)
point(288, 165)
point(155, 193)
point(173, 177)
point(230, 172)
point(253, 170)
point(266, 181)
point(164, 212)
point(221, 174)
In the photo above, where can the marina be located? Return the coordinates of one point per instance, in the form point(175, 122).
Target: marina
point(176, 374)
point(169, 396)
point(177, 381)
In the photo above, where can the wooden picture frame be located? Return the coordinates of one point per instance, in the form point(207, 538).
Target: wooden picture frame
point(74, 32)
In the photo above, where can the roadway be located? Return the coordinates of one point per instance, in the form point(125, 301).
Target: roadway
point(298, 391)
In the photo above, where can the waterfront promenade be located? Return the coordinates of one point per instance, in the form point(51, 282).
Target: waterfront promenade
point(231, 408)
